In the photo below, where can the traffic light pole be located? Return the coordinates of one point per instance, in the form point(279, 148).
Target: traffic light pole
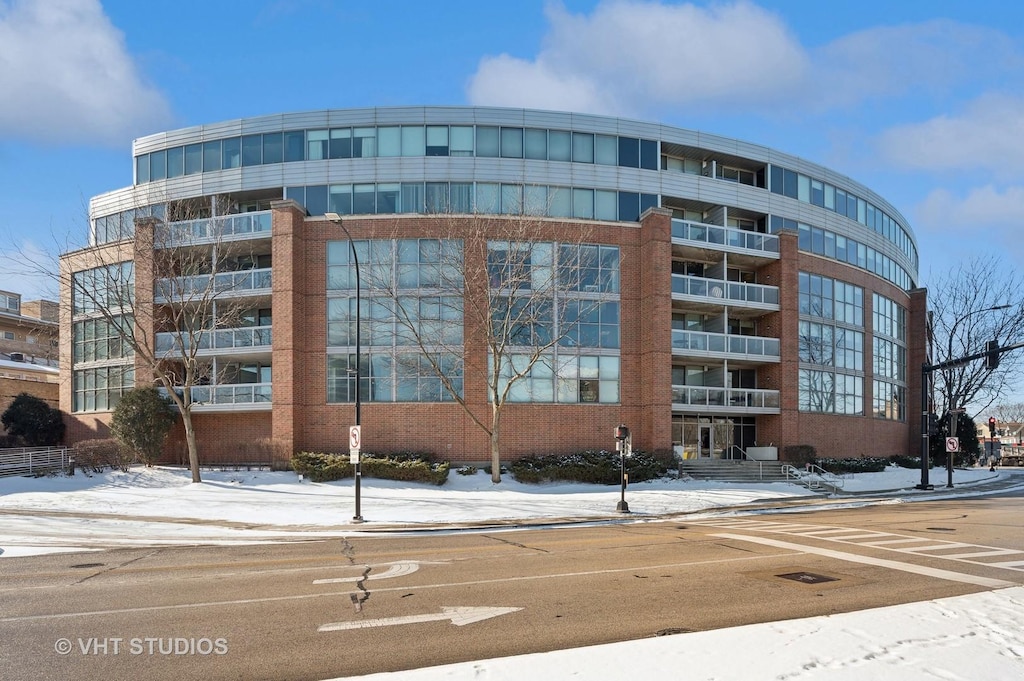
point(991, 351)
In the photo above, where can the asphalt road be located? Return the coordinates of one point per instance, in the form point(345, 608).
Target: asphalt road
point(318, 610)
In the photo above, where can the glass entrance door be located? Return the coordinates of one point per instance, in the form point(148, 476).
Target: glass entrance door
point(706, 440)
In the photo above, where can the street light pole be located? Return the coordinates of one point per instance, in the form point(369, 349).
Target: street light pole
point(336, 219)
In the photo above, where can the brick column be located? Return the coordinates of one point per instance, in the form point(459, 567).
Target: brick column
point(288, 260)
point(783, 429)
point(654, 271)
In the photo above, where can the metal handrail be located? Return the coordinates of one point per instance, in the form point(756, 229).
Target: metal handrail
point(813, 476)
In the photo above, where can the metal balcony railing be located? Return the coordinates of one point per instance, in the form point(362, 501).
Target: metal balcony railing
point(230, 227)
point(737, 398)
point(724, 236)
point(725, 291)
point(220, 339)
point(228, 394)
point(723, 343)
point(184, 289)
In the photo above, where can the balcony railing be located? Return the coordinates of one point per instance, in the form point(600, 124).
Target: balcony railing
point(257, 394)
point(230, 227)
point(220, 339)
point(727, 398)
point(723, 343)
point(725, 236)
point(719, 289)
point(183, 289)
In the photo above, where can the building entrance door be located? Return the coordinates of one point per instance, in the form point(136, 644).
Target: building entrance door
point(706, 440)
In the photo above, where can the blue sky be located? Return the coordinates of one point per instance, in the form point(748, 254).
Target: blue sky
point(920, 100)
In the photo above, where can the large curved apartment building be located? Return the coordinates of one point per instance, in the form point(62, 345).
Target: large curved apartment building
point(714, 295)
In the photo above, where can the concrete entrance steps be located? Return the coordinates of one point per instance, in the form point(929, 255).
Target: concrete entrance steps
point(733, 470)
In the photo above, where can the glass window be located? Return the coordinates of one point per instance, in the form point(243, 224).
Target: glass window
point(252, 150)
point(295, 146)
point(437, 197)
point(606, 150)
point(629, 206)
point(414, 142)
point(559, 145)
point(273, 147)
point(461, 137)
point(648, 154)
point(387, 197)
point(316, 199)
point(582, 147)
point(364, 142)
point(512, 199)
point(648, 201)
point(437, 140)
point(389, 141)
point(231, 153)
point(535, 201)
point(158, 165)
point(461, 197)
point(317, 145)
point(341, 199)
point(486, 198)
point(193, 159)
point(789, 183)
point(559, 202)
point(363, 201)
point(176, 162)
point(412, 197)
point(341, 143)
point(512, 142)
point(583, 203)
point(803, 188)
point(629, 152)
point(486, 141)
point(536, 144)
point(142, 169)
point(606, 205)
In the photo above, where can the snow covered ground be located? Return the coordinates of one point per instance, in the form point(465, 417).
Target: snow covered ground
point(978, 637)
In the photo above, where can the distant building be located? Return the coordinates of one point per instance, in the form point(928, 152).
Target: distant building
point(28, 349)
point(750, 297)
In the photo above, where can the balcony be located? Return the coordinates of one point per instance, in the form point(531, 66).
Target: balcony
point(724, 346)
point(231, 397)
point(718, 292)
point(210, 230)
point(721, 238)
point(209, 286)
point(220, 340)
point(705, 399)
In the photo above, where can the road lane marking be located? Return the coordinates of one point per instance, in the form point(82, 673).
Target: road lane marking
point(460, 617)
point(879, 562)
point(347, 594)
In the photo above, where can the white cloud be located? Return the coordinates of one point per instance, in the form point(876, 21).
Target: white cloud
point(988, 135)
point(641, 57)
point(66, 76)
point(630, 56)
point(988, 217)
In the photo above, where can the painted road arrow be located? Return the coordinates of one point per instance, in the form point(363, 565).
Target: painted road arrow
point(459, 616)
point(396, 569)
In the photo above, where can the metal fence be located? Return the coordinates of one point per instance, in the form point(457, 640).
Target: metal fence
point(34, 461)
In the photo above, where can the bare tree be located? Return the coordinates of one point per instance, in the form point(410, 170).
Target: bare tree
point(490, 283)
point(160, 294)
point(978, 302)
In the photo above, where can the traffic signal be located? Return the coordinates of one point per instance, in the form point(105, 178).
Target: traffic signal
point(933, 425)
point(992, 426)
point(992, 358)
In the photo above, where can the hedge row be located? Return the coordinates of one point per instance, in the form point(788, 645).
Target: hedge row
point(597, 467)
point(326, 467)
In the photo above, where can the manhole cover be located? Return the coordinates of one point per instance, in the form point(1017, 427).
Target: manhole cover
point(87, 565)
point(807, 577)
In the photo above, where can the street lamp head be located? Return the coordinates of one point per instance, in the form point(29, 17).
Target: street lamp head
point(333, 217)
